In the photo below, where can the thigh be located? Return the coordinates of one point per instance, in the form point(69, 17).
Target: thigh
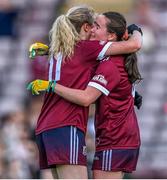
point(54, 173)
point(99, 174)
point(65, 146)
point(43, 163)
point(70, 172)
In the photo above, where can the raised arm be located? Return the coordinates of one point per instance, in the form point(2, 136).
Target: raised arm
point(133, 44)
point(80, 97)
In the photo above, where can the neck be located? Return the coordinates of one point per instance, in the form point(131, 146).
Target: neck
point(83, 34)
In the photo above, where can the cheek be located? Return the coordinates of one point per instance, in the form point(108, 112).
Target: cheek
point(89, 35)
point(100, 35)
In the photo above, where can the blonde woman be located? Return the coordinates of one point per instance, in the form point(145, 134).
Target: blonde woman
point(62, 125)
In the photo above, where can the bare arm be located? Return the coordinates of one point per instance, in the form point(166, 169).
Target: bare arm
point(133, 44)
point(80, 97)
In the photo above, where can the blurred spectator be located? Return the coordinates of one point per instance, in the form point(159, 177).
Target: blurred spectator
point(10, 88)
point(144, 16)
point(20, 150)
point(151, 15)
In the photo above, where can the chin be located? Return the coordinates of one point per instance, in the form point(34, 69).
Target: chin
point(92, 37)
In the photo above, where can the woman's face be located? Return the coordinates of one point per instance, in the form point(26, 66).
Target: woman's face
point(85, 33)
point(99, 30)
point(88, 30)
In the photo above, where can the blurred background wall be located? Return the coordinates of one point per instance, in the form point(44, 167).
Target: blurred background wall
point(23, 22)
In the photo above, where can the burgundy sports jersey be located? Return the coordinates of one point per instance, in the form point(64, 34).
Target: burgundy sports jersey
point(74, 73)
point(116, 123)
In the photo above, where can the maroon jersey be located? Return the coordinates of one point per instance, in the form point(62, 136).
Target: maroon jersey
point(74, 73)
point(116, 123)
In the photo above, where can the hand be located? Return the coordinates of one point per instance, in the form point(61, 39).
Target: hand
point(134, 27)
point(39, 85)
point(138, 100)
point(38, 49)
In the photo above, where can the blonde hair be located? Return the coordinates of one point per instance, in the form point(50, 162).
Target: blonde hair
point(65, 32)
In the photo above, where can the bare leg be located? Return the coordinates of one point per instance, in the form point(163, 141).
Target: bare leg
point(70, 172)
point(54, 173)
point(98, 174)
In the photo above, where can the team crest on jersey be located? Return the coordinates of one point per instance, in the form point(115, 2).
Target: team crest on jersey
point(105, 59)
point(102, 42)
point(84, 151)
point(100, 78)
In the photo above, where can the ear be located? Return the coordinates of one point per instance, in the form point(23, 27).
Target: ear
point(125, 36)
point(86, 27)
point(112, 37)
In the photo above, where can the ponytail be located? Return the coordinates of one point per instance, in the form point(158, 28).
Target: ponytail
point(132, 68)
point(63, 37)
point(65, 32)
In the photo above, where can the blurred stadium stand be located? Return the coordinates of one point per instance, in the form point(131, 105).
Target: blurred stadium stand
point(31, 21)
point(153, 65)
point(23, 22)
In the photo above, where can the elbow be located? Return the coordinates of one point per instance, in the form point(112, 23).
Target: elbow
point(138, 46)
point(86, 102)
point(85, 105)
point(137, 41)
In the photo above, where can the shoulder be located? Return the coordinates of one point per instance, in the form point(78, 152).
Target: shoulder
point(118, 60)
point(91, 43)
point(108, 68)
point(108, 64)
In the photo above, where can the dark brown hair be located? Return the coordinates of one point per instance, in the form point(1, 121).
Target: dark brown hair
point(117, 25)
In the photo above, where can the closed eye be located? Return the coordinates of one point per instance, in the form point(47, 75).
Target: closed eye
point(96, 25)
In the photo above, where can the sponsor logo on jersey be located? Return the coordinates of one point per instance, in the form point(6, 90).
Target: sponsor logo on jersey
point(100, 78)
point(84, 151)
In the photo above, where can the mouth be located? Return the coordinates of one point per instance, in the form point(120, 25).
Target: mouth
point(92, 37)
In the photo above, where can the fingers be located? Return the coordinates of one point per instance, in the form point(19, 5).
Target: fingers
point(32, 54)
point(31, 87)
point(39, 85)
point(35, 92)
point(38, 49)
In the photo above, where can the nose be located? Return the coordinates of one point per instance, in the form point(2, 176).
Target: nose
point(93, 29)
